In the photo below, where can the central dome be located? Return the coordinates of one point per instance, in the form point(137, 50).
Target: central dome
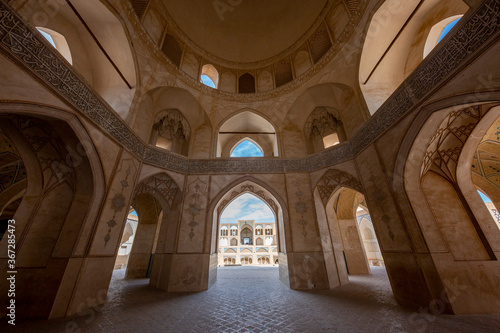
point(245, 31)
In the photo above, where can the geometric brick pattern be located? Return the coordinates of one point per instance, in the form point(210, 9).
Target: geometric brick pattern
point(253, 299)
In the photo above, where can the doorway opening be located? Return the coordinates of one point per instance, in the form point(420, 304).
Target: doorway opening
point(247, 233)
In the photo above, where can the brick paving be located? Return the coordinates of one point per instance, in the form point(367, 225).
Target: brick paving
point(252, 299)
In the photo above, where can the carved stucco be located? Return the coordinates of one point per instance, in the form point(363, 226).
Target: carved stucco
point(20, 43)
point(446, 145)
point(160, 183)
point(334, 179)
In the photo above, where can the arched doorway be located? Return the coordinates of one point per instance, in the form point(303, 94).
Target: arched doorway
point(252, 231)
point(246, 237)
point(52, 187)
point(157, 200)
point(344, 217)
point(442, 191)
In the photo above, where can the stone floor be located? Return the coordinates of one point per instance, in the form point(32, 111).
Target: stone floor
point(252, 299)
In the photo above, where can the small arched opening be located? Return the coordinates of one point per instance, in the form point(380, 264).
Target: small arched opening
point(209, 76)
point(249, 129)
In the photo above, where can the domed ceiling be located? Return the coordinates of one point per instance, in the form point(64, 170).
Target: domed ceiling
point(245, 31)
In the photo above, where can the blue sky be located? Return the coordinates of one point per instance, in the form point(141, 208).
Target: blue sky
point(447, 29)
point(246, 149)
point(207, 81)
point(485, 198)
point(247, 207)
point(47, 37)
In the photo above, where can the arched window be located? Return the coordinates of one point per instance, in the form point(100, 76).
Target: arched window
point(234, 242)
point(258, 230)
point(234, 231)
point(58, 41)
point(223, 231)
point(438, 32)
point(269, 240)
point(263, 261)
point(223, 241)
point(259, 241)
point(247, 126)
point(269, 230)
point(246, 261)
point(229, 261)
point(247, 148)
point(209, 76)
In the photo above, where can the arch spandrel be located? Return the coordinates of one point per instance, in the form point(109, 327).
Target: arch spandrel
point(161, 184)
point(332, 180)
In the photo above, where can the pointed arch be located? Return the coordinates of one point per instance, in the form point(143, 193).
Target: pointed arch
point(252, 143)
point(247, 124)
point(260, 189)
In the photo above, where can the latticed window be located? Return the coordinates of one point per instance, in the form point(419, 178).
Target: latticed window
point(172, 49)
point(320, 44)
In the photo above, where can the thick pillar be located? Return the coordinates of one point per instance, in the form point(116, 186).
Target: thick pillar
point(192, 267)
point(413, 276)
point(90, 286)
point(305, 256)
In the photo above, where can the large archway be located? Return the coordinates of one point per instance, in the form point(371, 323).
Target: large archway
point(157, 200)
point(247, 229)
point(242, 247)
point(54, 197)
point(461, 234)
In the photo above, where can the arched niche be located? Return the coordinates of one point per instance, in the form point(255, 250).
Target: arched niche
point(57, 210)
point(335, 97)
point(171, 131)
point(457, 227)
point(395, 42)
point(159, 102)
point(99, 44)
point(323, 129)
point(247, 125)
point(246, 84)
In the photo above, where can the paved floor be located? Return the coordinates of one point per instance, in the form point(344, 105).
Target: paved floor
point(252, 299)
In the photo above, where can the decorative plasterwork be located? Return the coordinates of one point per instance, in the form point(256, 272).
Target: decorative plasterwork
point(173, 124)
point(487, 165)
point(446, 145)
point(56, 163)
point(334, 179)
point(12, 169)
point(322, 122)
point(20, 43)
point(160, 183)
point(248, 188)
